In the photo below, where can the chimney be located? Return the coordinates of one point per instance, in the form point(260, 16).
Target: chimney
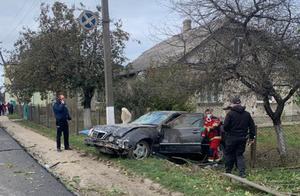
point(187, 25)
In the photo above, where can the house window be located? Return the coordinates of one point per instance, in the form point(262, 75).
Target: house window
point(208, 97)
point(259, 99)
point(238, 45)
point(202, 99)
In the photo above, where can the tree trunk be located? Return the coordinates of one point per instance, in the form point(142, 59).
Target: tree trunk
point(87, 99)
point(275, 116)
point(87, 121)
point(280, 136)
point(280, 139)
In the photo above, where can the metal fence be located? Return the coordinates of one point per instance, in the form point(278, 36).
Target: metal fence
point(263, 153)
point(45, 117)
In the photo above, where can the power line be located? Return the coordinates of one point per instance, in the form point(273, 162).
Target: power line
point(14, 17)
point(20, 23)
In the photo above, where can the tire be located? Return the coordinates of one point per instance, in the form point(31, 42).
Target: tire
point(221, 152)
point(140, 151)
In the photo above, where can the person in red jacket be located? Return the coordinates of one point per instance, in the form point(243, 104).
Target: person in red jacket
point(4, 109)
point(212, 130)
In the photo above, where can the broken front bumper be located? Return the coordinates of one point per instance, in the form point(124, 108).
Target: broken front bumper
point(121, 146)
point(101, 143)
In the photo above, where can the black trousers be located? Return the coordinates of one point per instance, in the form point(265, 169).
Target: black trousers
point(235, 148)
point(62, 126)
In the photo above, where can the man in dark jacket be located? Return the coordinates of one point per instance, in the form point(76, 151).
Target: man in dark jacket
point(238, 124)
point(62, 117)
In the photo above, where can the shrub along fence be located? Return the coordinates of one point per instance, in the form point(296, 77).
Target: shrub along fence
point(263, 153)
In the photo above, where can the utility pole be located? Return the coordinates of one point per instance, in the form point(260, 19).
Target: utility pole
point(110, 113)
point(4, 63)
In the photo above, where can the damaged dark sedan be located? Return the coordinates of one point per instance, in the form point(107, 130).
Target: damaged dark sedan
point(168, 133)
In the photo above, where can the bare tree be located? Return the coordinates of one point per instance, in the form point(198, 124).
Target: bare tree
point(255, 42)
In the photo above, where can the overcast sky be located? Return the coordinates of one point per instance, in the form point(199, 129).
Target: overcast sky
point(140, 18)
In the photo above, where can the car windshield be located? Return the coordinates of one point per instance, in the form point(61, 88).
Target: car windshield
point(151, 118)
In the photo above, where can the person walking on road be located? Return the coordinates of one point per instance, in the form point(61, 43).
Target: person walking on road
point(62, 117)
point(238, 124)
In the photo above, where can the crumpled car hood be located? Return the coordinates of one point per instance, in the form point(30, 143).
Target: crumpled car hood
point(120, 129)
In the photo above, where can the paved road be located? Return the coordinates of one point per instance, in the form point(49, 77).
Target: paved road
point(21, 175)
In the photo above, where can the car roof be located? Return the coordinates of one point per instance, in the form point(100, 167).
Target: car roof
point(169, 111)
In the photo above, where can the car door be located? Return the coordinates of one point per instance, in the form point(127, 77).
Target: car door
point(182, 135)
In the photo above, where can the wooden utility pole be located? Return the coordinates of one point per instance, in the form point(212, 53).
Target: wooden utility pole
point(250, 183)
point(110, 115)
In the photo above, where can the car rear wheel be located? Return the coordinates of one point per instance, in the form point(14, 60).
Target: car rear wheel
point(221, 152)
point(140, 151)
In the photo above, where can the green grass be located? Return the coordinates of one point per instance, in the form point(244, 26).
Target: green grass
point(292, 136)
point(283, 179)
point(14, 116)
point(267, 135)
point(267, 139)
point(76, 141)
point(191, 179)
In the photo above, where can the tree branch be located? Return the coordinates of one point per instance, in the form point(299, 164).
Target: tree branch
point(291, 92)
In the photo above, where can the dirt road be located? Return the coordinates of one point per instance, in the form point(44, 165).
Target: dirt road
point(82, 174)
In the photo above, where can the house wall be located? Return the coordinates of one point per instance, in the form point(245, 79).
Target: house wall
point(291, 110)
point(234, 89)
point(35, 99)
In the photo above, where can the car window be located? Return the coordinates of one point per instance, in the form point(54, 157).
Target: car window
point(188, 120)
point(151, 118)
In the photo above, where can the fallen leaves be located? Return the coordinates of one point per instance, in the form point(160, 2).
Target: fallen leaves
point(229, 189)
point(9, 166)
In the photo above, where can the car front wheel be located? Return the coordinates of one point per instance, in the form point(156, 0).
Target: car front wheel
point(140, 151)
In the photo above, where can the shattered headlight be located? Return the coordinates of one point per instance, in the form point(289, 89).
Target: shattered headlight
point(90, 132)
point(123, 144)
point(111, 138)
point(126, 144)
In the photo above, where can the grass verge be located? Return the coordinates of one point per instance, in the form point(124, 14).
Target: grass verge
point(191, 179)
